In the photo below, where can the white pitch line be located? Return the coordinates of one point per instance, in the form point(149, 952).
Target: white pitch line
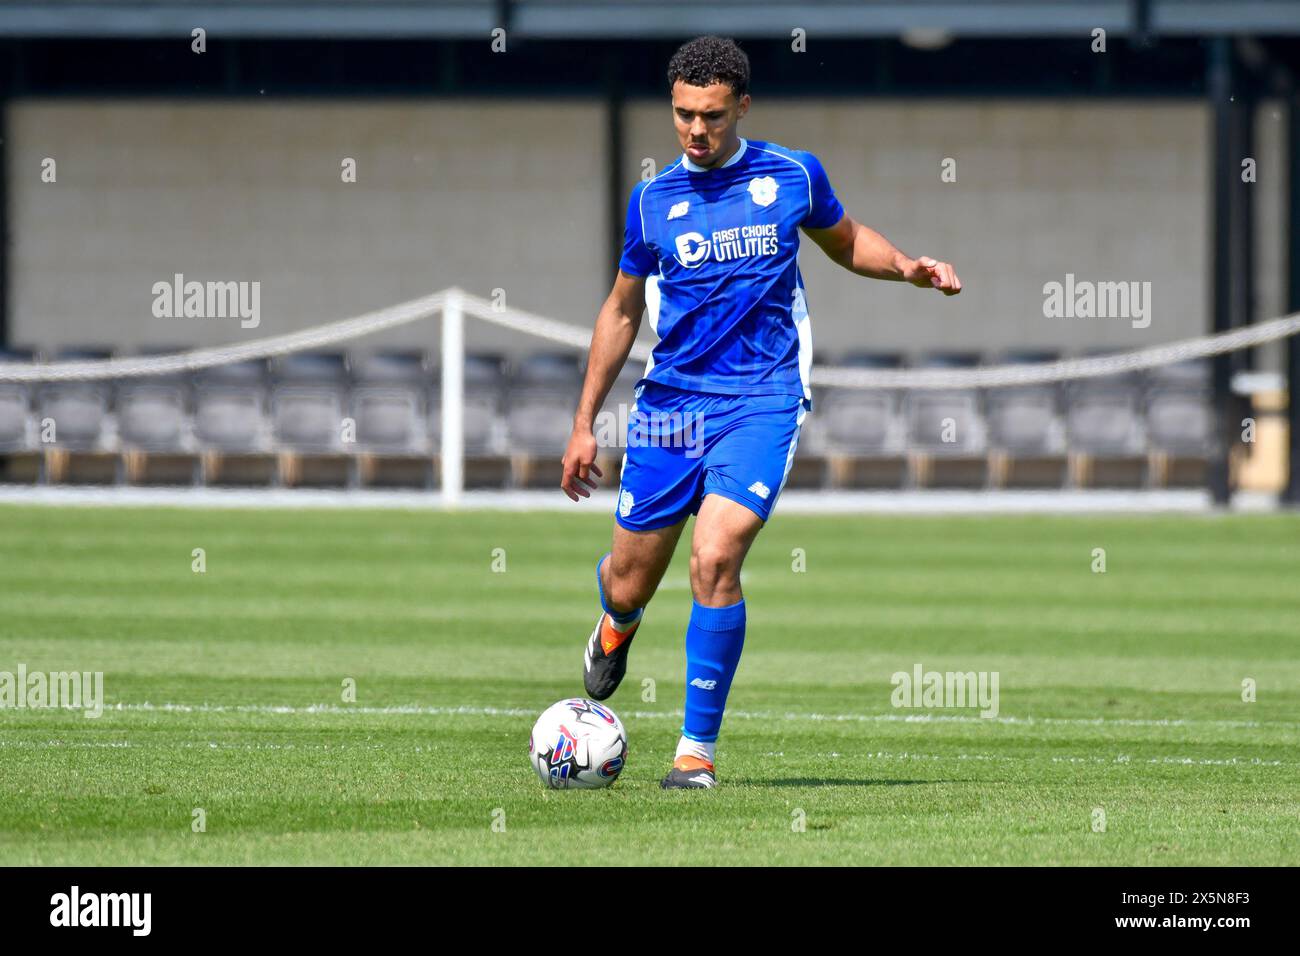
point(1117, 759)
point(1120, 759)
point(465, 710)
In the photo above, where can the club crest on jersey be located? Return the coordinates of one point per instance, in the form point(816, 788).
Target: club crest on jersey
point(692, 249)
point(762, 190)
point(625, 503)
point(678, 210)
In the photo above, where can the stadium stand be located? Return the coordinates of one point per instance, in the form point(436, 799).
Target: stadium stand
point(373, 419)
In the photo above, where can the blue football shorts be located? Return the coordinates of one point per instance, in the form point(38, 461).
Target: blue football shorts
point(684, 445)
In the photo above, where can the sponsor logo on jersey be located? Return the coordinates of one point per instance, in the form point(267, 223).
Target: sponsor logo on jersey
point(678, 210)
point(692, 249)
point(727, 245)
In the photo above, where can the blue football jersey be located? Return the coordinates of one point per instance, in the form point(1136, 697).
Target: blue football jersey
point(719, 249)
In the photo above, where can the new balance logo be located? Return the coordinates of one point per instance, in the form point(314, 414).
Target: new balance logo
point(760, 489)
point(678, 210)
point(704, 684)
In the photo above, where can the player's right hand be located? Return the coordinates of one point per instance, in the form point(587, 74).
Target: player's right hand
point(579, 464)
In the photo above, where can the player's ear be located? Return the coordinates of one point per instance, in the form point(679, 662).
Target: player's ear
point(742, 106)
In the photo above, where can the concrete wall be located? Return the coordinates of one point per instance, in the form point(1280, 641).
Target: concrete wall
point(481, 194)
point(489, 194)
point(1106, 191)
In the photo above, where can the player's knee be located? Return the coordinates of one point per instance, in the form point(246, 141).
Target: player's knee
point(626, 592)
point(713, 569)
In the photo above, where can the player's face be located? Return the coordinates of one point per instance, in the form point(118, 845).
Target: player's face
point(706, 118)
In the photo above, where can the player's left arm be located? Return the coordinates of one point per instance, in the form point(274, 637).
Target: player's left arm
point(865, 252)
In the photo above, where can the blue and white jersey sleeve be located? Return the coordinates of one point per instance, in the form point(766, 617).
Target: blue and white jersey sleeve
point(824, 209)
point(637, 259)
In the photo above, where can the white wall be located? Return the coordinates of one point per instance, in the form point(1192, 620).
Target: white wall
point(481, 194)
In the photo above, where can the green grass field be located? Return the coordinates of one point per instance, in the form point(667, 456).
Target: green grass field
point(1120, 691)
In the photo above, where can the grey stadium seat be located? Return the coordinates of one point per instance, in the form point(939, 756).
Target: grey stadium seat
point(1026, 429)
point(155, 428)
point(539, 415)
point(935, 415)
point(1179, 413)
point(388, 400)
point(79, 410)
point(1105, 431)
point(83, 449)
point(307, 401)
point(861, 432)
point(946, 431)
point(152, 412)
point(861, 420)
point(1180, 422)
point(16, 404)
point(230, 406)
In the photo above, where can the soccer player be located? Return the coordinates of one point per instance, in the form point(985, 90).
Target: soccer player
point(710, 250)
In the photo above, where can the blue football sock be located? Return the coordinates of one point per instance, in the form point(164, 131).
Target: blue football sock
point(622, 619)
point(714, 640)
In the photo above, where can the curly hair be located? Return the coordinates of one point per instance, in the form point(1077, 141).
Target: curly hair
point(709, 59)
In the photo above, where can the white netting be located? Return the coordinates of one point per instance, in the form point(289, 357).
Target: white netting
point(577, 337)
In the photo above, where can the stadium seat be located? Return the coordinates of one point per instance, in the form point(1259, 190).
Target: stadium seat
point(1105, 432)
point(1180, 424)
point(77, 416)
point(20, 457)
point(1026, 432)
point(860, 432)
point(388, 404)
point(155, 427)
point(308, 397)
point(541, 396)
point(947, 435)
point(231, 425)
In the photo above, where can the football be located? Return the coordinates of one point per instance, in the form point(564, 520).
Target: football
point(578, 744)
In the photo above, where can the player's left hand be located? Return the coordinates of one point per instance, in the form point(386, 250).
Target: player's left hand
point(927, 273)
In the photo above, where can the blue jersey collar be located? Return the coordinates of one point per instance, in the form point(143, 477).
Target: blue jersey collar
point(735, 158)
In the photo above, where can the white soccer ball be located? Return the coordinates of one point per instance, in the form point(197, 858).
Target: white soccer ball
point(578, 744)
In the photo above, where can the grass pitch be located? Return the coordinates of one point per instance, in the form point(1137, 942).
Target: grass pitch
point(1120, 692)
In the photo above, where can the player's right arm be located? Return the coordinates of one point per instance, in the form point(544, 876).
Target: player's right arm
point(611, 341)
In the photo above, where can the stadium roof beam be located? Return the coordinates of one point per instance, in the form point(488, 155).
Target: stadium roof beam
point(1291, 493)
point(1230, 248)
point(640, 19)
